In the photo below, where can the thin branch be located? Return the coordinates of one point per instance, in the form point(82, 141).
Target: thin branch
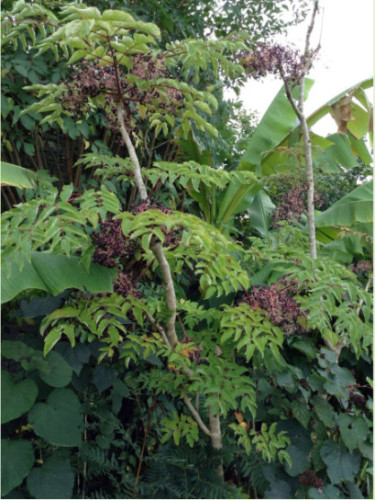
point(170, 294)
point(132, 153)
point(196, 415)
point(159, 328)
point(369, 281)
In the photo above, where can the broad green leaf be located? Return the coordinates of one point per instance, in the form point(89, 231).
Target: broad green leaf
point(59, 374)
point(353, 430)
point(324, 411)
point(16, 397)
point(260, 212)
point(356, 206)
point(278, 121)
point(17, 459)
point(54, 479)
point(59, 420)
point(342, 465)
point(299, 459)
point(54, 273)
point(13, 175)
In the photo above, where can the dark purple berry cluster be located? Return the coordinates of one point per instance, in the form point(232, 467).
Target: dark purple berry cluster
point(293, 205)
point(278, 301)
point(111, 245)
point(88, 80)
point(310, 479)
point(267, 58)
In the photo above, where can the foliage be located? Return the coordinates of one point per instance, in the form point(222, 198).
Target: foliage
point(153, 346)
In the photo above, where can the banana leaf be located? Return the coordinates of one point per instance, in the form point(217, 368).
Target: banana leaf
point(277, 123)
point(354, 207)
point(54, 273)
point(14, 175)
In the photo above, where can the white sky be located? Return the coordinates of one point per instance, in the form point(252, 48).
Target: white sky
point(346, 57)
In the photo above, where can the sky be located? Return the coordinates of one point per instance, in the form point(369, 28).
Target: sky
point(346, 57)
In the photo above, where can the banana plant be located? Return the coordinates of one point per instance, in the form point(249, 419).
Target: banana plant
point(278, 133)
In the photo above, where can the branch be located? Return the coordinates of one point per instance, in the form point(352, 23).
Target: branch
point(170, 294)
point(132, 153)
point(196, 415)
point(159, 328)
point(369, 281)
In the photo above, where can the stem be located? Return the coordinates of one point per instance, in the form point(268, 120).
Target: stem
point(170, 294)
point(299, 110)
point(197, 417)
point(216, 440)
point(170, 338)
point(132, 154)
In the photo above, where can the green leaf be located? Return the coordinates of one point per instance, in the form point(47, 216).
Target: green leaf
point(54, 479)
point(301, 412)
point(59, 374)
point(13, 175)
point(341, 464)
point(277, 122)
point(54, 273)
point(299, 461)
point(324, 411)
point(59, 420)
point(353, 430)
point(356, 206)
point(17, 458)
point(328, 491)
point(16, 397)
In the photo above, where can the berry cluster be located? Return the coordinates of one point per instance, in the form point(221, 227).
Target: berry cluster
point(275, 59)
point(361, 268)
point(88, 80)
point(125, 286)
point(111, 245)
point(293, 205)
point(112, 249)
point(277, 299)
point(309, 478)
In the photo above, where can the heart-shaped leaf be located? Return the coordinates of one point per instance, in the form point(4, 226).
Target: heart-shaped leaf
point(17, 458)
point(59, 420)
point(54, 479)
point(16, 397)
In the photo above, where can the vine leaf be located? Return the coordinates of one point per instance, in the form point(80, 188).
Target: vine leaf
point(17, 458)
point(55, 479)
point(16, 397)
point(341, 464)
point(59, 420)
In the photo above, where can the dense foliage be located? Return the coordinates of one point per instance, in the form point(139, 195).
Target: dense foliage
point(166, 333)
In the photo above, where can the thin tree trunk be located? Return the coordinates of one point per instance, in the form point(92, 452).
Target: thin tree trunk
point(299, 110)
point(170, 337)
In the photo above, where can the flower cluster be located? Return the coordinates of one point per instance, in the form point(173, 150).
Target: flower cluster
point(125, 286)
point(88, 80)
point(113, 249)
point(277, 299)
point(362, 267)
point(293, 205)
point(267, 58)
point(309, 478)
point(111, 245)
